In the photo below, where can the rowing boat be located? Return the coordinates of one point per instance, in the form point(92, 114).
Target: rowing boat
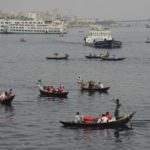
point(121, 122)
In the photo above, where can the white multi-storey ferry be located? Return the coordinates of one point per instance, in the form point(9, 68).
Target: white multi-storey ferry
point(9, 26)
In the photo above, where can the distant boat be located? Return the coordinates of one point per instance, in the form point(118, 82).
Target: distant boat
point(148, 40)
point(112, 58)
point(93, 56)
point(22, 40)
point(15, 26)
point(58, 57)
point(101, 38)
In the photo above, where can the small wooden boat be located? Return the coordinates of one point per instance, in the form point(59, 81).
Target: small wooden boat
point(122, 122)
point(112, 58)
point(93, 57)
point(105, 89)
point(59, 57)
point(53, 94)
point(91, 86)
point(8, 100)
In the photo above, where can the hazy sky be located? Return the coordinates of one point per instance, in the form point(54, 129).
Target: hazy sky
point(101, 9)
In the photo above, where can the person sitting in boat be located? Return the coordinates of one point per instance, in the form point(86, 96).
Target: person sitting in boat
point(3, 96)
point(104, 119)
point(99, 119)
point(118, 105)
point(90, 54)
point(91, 85)
point(107, 54)
point(114, 56)
point(49, 88)
point(10, 93)
point(61, 89)
point(44, 87)
point(77, 117)
point(101, 86)
point(108, 116)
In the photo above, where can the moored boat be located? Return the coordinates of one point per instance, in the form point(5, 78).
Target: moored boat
point(7, 100)
point(121, 122)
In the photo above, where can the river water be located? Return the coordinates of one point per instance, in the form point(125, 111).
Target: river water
point(32, 122)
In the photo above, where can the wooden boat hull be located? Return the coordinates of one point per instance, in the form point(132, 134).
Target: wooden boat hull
point(92, 57)
point(113, 59)
point(109, 44)
point(7, 101)
point(122, 122)
point(105, 89)
point(53, 94)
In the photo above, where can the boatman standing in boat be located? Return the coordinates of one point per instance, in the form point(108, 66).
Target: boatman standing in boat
point(118, 105)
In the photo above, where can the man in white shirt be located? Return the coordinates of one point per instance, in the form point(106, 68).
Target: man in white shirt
point(104, 119)
point(101, 85)
point(77, 118)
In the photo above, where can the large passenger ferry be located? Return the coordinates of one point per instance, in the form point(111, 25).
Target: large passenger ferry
point(9, 26)
point(101, 38)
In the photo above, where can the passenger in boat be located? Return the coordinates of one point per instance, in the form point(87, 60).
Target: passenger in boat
point(53, 89)
point(10, 93)
point(99, 119)
point(104, 119)
point(6, 93)
point(49, 89)
point(90, 54)
point(44, 87)
point(108, 116)
point(101, 86)
point(3, 96)
point(118, 105)
point(91, 85)
point(61, 88)
point(107, 54)
point(115, 56)
point(77, 117)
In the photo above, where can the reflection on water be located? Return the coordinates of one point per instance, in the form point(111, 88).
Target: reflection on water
point(7, 108)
